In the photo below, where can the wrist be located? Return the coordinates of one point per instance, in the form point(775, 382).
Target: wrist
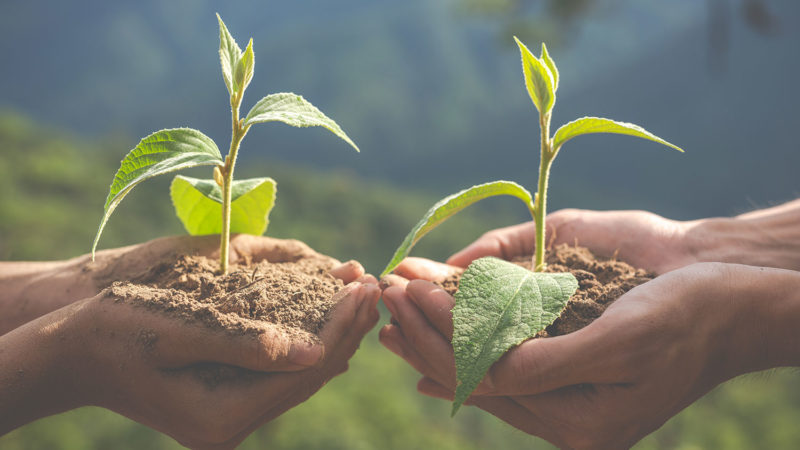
point(754, 314)
point(38, 369)
point(766, 240)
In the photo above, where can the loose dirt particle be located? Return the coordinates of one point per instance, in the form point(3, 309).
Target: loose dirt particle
point(600, 282)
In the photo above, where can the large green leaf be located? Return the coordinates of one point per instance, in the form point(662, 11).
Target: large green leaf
point(198, 203)
point(448, 206)
point(294, 110)
point(162, 152)
point(538, 80)
point(586, 125)
point(229, 55)
point(499, 305)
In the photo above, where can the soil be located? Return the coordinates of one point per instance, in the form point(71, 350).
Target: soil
point(294, 295)
point(600, 282)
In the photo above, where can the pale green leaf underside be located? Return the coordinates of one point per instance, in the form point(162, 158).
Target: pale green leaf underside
point(586, 125)
point(198, 204)
point(498, 306)
point(452, 204)
point(162, 152)
point(229, 54)
point(538, 80)
point(294, 110)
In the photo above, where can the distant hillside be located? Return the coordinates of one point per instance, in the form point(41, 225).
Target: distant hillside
point(53, 187)
point(433, 96)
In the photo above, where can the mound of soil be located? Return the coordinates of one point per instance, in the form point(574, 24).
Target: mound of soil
point(295, 295)
point(600, 282)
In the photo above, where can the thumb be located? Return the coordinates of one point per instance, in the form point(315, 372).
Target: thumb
point(505, 243)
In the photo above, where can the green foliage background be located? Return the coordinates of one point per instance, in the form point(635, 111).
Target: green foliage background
point(52, 186)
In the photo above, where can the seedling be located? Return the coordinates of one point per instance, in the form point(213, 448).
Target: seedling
point(499, 304)
point(219, 205)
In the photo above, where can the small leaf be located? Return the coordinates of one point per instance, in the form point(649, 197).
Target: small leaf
point(448, 206)
point(162, 152)
point(244, 68)
point(498, 306)
point(550, 65)
point(294, 110)
point(198, 203)
point(538, 80)
point(229, 55)
point(586, 125)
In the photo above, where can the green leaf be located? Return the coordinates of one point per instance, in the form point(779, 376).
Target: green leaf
point(550, 65)
point(229, 55)
point(162, 152)
point(448, 206)
point(586, 125)
point(294, 110)
point(198, 203)
point(498, 306)
point(538, 80)
point(244, 68)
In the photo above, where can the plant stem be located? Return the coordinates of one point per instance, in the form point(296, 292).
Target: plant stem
point(237, 134)
point(540, 199)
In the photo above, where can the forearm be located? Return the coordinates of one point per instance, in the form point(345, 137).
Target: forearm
point(29, 290)
point(764, 307)
point(35, 378)
point(767, 238)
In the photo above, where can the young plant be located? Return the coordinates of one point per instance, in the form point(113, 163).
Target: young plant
point(219, 205)
point(499, 304)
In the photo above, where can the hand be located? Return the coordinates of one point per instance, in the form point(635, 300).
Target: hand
point(40, 288)
point(640, 238)
point(653, 352)
point(154, 368)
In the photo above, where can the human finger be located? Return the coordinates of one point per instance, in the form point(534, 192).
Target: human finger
point(348, 272)
point(260, 248)
point(348, 302)
point(173, 343)
point(435, 303)
point(367, 279)
point(391, 336)
point(504, 243)
point(391, 279)
point(413, 268)
point(421, 336)
point(546, 364)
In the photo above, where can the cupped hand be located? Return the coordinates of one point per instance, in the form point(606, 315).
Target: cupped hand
point(653, 352)
point(165, 373)
point(66, 282)
point(640, 238)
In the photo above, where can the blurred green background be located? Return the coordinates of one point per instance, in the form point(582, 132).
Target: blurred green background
point(432, 93)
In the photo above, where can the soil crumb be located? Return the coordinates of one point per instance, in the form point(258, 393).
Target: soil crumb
point(600, 282)
point(292, 296)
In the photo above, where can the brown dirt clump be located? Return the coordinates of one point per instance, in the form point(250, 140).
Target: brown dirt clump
point(600, 282)
point(294, 295)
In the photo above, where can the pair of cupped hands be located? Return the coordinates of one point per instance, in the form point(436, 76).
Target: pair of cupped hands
point(606, 385)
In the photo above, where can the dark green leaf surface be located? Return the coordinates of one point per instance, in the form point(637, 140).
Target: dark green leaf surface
point(198, 203)
point(452, 204)
point(498, 306)
point(162, 152)
point(587, 125)
point(294, 110)
point(538, 80)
